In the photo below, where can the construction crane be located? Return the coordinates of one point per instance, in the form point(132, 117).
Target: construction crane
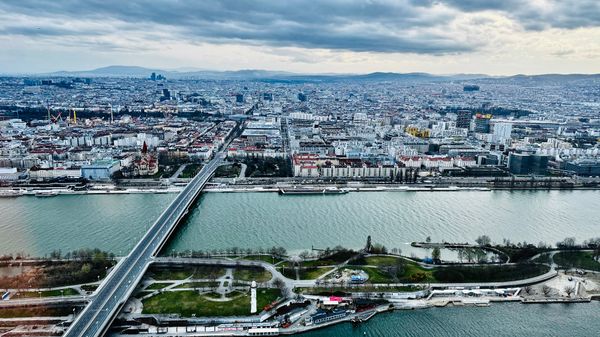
point(74, 120)
point(56, 118)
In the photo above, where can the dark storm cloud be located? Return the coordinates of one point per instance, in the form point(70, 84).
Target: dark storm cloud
point(377, 26)
point(395, 26)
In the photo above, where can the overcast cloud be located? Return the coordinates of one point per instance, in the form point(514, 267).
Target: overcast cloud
point(407, 30)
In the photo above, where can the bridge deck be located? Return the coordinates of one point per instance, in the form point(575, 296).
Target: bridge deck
point(118, 286)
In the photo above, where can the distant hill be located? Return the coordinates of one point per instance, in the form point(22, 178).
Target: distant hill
point(110, 71)
point(254, 74)
point(282, 76)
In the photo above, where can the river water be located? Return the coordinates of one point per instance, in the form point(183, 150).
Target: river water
point(498, 320)
point(37, 226)
point(250, 220)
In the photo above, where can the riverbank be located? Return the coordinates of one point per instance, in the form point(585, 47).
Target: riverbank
point(303, 324)
point(276, 187)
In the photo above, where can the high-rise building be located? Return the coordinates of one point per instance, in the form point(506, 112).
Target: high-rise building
point(463, 119)
point(502, 132)
point(166, 95)
point(482, 123)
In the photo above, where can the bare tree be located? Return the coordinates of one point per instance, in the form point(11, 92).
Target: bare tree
point(304, 255)
point(483, 240)
point(281, 286)
point(567, 243)
point(528, 290)
point(546, 290)
point(569, 290)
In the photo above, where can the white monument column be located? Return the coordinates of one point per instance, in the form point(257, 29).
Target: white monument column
point(253, 298)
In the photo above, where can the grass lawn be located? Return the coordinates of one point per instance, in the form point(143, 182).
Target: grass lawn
point(156, 286)
point(376, 275)
point(331, 260)
point(381, 260)
point(89, 287)
point(36, 312)
point(197, 272)
point(187, 303)
point(582, 260)
point(412, 272)
point(228, 171)
point(216, 295)
point(543, 258)
point(198, 285)
point(305, 273)
point(165, 274)
point(251, 274)
point(313, 273)
point(415, 273)
point(190, 171)
point(47, 293)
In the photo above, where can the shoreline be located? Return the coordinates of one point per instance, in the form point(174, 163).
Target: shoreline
point(356, 318)
point(41, 192)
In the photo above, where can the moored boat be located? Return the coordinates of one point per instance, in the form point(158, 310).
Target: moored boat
point(311, 190)
point(44, 194)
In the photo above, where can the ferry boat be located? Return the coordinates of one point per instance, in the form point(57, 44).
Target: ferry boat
point(45, 194)
point(311, 190)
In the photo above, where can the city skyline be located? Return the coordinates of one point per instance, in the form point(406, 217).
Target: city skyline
point(439, 37)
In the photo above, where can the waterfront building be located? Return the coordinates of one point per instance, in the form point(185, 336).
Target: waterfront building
point(526, 163)
point(100, 169)
point(584, 167)
point(8, 174)
point(323, 316)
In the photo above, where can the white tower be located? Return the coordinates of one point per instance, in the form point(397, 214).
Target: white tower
point(253, 298)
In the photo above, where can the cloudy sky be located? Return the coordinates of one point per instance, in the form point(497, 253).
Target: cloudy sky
point(325, 36)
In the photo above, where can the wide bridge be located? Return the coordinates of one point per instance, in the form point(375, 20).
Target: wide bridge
point(97, 316)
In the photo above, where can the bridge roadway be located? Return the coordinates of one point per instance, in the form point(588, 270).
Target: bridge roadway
point(95, 319)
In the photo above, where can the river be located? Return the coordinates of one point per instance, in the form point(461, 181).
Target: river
point(220, 220)
point(501, 319)
point(37, 226)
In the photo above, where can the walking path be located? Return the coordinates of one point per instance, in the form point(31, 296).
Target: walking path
point(178, 172)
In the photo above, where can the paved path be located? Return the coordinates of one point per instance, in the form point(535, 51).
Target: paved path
point(43, 301)
point(243, 171)
point(178, 172)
